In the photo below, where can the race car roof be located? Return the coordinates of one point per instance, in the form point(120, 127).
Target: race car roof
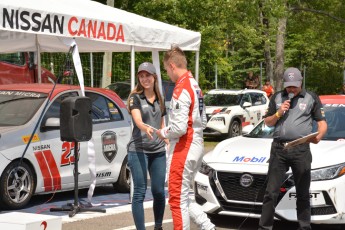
point(332, 99)
point(47, 88)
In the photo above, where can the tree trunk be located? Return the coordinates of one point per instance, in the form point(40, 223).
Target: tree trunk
point(279, 63)
point(267, 44)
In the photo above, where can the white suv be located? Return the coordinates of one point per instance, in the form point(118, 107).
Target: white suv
point(229, 110)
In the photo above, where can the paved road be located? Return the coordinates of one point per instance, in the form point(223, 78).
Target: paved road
point(118, 212)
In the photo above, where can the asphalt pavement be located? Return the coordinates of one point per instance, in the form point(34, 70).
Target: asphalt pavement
point(118, 212)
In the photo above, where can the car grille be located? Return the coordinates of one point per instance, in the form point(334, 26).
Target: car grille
point(237, 207)
point(233, 190)
point(323, 211)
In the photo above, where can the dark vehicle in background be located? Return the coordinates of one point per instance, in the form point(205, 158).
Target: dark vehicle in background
point(21, 68)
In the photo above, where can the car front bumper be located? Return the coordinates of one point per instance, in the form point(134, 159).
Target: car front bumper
point(218, 195)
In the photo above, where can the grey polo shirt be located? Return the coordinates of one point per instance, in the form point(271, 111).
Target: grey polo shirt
point(297, 121)
point(150, 114)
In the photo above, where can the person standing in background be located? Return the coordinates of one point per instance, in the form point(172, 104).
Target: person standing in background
point(146, 151)
point(187, 119)
point(268, 88)
point(291, 112)
point(252, 82)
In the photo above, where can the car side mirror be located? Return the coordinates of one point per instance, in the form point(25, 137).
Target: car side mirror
point(246, 129)
point(246, 104)
point(51, 123)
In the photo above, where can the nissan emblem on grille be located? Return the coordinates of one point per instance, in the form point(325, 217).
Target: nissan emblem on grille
point(246, 180)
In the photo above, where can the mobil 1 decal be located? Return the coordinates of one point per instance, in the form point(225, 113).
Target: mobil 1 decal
point(109, 145)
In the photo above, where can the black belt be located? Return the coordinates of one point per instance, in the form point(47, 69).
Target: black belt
point(281, 142)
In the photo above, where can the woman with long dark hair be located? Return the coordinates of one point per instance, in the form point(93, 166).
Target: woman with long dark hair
point(146, 152)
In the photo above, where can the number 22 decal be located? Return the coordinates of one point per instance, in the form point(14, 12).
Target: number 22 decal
point(67, 157)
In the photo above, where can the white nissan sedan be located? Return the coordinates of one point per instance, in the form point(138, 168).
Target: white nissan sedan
point(232, 179)
point(45, 164)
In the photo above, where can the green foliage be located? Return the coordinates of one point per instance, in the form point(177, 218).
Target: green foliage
point(234, 36)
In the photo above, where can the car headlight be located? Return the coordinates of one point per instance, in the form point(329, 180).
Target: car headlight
point(226, 111)
point(220, 119)
point(205, 169)
point(328, 173)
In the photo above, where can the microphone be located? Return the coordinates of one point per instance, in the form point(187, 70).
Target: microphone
point(290, 96)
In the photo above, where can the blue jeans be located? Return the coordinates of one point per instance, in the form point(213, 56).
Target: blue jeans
point(155, 163)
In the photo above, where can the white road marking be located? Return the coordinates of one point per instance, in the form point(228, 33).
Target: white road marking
point(146, 225)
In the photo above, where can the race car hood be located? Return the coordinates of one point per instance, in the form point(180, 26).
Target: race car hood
point(240, 150)
point(248, 154)
point(210, 109)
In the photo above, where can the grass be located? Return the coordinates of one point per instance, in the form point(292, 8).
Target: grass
point(210, 143)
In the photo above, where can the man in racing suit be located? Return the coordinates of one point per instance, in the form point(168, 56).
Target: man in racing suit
point(187, 119)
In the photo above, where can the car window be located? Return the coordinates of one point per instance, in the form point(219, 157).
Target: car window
point(261, 131)
point(222, 99)
point(103, 109)
point(54, 109)
point(13, 58)
point(335, 117)
point(258, 99)
point(245, 98)
point(17, 107)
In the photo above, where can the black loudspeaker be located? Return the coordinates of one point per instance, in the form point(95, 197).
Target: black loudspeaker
point(75, 119)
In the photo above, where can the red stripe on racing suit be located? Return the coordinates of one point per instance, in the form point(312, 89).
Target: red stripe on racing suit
point(185, 132)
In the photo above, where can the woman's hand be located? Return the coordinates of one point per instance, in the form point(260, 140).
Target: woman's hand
point(149, 131)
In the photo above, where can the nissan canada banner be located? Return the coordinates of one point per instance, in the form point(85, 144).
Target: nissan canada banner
point(50, 23)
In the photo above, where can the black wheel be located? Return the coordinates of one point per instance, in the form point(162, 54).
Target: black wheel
point(234, 129)
point(123, 183)
point(17, 185)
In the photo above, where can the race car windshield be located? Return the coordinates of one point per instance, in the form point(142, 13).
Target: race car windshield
point(335, 116)
point(222, 99)
point(17, 107)
point(261, 131)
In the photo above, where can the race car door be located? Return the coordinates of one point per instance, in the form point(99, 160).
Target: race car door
point(258, 108)
point(56, 160)
point(111, 134)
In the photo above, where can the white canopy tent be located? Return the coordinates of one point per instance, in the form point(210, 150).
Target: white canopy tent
point(53, 25)
point(48, 25)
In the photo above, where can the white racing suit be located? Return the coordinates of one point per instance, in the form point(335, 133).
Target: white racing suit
point(187, 119)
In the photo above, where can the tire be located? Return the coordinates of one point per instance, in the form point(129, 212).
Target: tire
point(16, 193)
point(123, 183)
point(234, 129)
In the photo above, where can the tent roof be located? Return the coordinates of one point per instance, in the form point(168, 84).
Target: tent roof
point(95, 27)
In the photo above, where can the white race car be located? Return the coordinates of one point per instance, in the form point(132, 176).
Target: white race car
point(228, 111)
point(232, 178)
point(47, 165)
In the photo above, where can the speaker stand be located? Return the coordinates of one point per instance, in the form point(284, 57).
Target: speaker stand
point(75, 208)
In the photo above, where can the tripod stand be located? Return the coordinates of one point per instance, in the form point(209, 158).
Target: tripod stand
point(75, 208)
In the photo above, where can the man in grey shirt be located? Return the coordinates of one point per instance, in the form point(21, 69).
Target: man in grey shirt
point(291, 112)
